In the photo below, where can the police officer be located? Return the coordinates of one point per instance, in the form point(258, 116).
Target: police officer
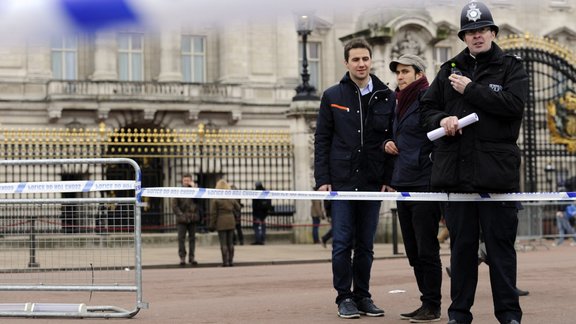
point(480, 158)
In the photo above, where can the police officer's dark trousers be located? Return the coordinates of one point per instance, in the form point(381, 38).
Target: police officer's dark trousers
point(498, 222)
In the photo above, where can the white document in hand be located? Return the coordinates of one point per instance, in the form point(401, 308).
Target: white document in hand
point(462, 122)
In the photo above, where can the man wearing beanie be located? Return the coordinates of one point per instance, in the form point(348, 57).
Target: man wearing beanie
point(418, 219)
point(480, 158)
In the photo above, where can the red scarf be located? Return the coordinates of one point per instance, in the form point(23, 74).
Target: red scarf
point(407, 96)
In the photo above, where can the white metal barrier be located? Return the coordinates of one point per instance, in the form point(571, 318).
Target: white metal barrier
point(530, 224)
point(537, 222)
point(80, 250)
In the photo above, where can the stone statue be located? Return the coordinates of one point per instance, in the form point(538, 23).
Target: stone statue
point(408, 45)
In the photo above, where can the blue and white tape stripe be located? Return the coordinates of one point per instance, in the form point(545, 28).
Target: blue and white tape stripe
point(351, 195)
point(520, 196)
point(205, 193)
point(65, 186)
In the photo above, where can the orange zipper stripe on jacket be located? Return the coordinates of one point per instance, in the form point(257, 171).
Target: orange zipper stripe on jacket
point(340, 107)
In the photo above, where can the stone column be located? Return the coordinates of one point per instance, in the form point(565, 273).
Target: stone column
point(287, 52)
point(105, 57)
point(380, 63)
point(303, 115)
point(39, 60)
point(170, 70)
point(234, 53)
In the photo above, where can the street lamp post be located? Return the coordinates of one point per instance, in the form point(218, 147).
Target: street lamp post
point(303, 111)
point(304, 27)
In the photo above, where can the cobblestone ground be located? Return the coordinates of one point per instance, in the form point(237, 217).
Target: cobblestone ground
point(302, 293)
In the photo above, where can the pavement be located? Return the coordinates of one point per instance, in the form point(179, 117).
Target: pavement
point(162, 256)
point(292, 283)
point(160, 251)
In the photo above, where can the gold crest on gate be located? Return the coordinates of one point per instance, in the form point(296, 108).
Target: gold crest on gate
point(562, 120)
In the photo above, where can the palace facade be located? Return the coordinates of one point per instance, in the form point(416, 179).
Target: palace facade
point(227, 88)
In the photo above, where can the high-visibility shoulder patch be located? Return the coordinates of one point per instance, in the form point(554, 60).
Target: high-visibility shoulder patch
point(340, 107)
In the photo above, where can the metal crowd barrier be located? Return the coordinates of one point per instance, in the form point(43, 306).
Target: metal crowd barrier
point(66, 246)
point(530, 225)
point(537, 222)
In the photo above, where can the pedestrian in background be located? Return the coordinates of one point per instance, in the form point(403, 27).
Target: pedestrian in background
point(328, 212)
point(354, 120)
point(222, 220)
point(187, 214)
point(419, 220)
point(480, 158)
point(238, 235)
point(260, 210)
point(317, 213)
point(564, 226)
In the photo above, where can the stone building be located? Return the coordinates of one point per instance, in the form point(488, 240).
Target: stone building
point(234, 78)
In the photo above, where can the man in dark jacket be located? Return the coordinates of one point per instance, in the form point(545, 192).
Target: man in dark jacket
point(419, 220)
point(354, 120)
point(481, 158)
point(260, 210)
point(187, 214)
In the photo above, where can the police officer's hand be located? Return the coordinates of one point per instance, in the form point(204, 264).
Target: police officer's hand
point(450, 125)
point(459, 82)
point(390, 148)
point(387, 188)
point(325, 187)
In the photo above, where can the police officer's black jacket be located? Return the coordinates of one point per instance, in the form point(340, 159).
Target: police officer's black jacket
point(485, 158)
point(348, 139)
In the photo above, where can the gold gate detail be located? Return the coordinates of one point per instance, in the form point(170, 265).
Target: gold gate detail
point(243, 157)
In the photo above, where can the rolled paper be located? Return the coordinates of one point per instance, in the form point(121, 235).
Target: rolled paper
point(462, 122)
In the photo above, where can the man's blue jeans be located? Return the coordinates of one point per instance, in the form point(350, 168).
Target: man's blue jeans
point(564, 228)
point(315, 229)
point(259, 227)
point(354, 228)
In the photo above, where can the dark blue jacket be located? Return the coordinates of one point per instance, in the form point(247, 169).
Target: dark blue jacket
point(412, 166)
point(348, 145)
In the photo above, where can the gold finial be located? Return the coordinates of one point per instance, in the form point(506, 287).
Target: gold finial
point(102, 127)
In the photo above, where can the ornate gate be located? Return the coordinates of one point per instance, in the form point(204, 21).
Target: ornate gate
point(241, 156)
point(548, 138)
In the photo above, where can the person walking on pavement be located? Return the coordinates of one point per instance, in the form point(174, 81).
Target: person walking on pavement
point(317, 213)
point(222, 220)
point(238, 235)
point(328, 212)
point(419, 220)
point(260, 210)
point(187, 216)
point(564, 226)
point(480, 158)
point(354, 121)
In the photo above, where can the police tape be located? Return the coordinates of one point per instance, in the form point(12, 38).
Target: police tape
point(66, 186)
point(206, 193)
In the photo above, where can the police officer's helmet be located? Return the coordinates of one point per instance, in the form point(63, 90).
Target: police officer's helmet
point(475, 15)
